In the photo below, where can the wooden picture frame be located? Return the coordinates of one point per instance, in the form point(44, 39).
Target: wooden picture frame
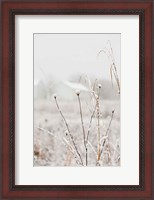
point(12, 8)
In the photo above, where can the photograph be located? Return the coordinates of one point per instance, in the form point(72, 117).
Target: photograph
point(76, 103)
point(77, 99)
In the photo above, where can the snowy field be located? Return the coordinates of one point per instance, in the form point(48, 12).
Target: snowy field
point(53, 144)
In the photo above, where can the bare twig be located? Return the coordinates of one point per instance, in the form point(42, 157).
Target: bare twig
point(83, 129)
point(106, 134)
point(71, 136)
point(98, 124)
point(72, 150)
point(108, 51)
point(89, 143)
point(90, 123)
point(110, 122)
point(62, 114)
point(63, 140)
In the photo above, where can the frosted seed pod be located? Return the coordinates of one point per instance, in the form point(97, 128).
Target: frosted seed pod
point(77, 92)
point(54, 96)
point(66, 133)
point(99, 86)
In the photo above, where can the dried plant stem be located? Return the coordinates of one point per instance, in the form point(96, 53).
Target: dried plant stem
point(84, 135)
point(98, 129)
point(114, 67)
point(72, 150)
point(93, 93)
point(91, 118)
point(94, 85)
point(114, 148)
point(107, 131)
point(71, 136)
point(62, 115)
point(68, 157)
point(109, 52)
point(110, 123)
point(87, 79)
point(64, 141)
point(93, 149)
point(116, 76)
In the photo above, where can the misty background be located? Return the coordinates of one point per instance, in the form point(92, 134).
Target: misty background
point(65, 57)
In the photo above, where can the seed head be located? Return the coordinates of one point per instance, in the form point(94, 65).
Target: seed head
point(54, 96)
point(66, 133)
point(77, 92)
point(99, 86)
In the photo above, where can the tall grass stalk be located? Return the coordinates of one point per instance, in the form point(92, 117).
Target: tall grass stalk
point(71, 136)
point(90, 123)
point(106, 134)
point(98, 124)
point(113, 69)
point(64, 141)
point(83, 129)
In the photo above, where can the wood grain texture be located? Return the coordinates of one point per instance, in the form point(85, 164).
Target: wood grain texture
point(9, 10)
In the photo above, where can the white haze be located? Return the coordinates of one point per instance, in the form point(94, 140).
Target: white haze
point(61, 56)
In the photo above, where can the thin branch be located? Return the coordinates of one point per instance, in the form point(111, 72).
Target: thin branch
point(108, 51)
point(98, 125)
point(63, 140)
point(92, 148)
point(106, 134)
point(110, 122)
point(62, 115)
point(91, 118)
point(82, 124)
point(71, 136)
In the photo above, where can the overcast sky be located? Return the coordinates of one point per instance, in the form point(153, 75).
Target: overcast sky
point(62, 55)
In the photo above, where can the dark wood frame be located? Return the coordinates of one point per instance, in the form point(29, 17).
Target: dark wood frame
point(11, 8)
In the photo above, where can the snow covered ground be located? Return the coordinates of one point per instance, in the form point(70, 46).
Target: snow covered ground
point(53, 145)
